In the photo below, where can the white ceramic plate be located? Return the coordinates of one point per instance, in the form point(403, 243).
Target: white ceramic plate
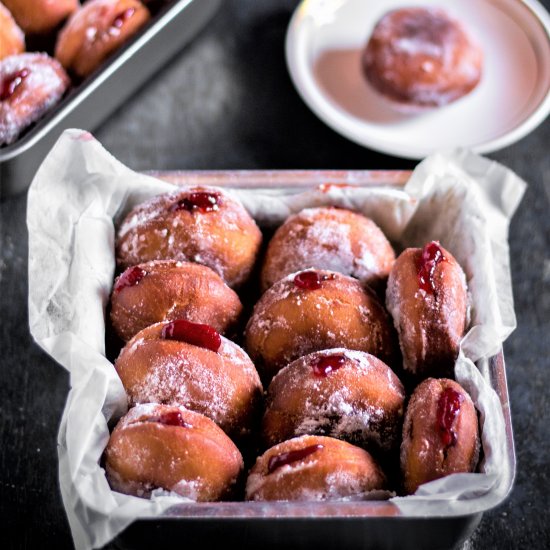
point(323, 46)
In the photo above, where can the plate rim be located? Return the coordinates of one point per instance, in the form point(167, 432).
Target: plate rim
point(525, 127)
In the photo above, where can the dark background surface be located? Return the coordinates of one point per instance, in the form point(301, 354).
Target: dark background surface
point(227, 102)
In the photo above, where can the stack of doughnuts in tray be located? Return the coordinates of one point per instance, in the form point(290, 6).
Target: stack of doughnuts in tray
point(355, 350)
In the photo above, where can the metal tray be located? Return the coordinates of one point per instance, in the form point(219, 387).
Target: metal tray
point(315, 525)
point(89, 103)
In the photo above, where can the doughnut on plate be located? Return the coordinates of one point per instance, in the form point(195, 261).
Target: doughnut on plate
point(325, 43)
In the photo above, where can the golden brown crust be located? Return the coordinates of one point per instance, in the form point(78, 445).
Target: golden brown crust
point(430, 325)
point(172, 290)
point(289, 322)
point(328, 238)
point(421, 57)
point(336, 470)
point(222, 385)
point(226, 239)
point(425, 454)
point(197, 461)
point(97, 30)
point(12, 39)
point(43, 85)
point(40, 16)
point(362, 401)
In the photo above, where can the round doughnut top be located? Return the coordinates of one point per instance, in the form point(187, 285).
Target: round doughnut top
point(222, 384)
point(299, 315)
point(422, 57)
point(358, 398)
point(428, 301)
point(161, 290)
point(200, 224)
point(313, 468)
point(96, 30)
point(170, 447)
point(329, 238)
point(40, 16)
point(440, 433)
point(12, 39)
point(30, 83)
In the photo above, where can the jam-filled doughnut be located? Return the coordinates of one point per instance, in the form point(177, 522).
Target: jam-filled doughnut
point(12, 39)
point(349, 395)
point(97, 30)
point(40, 16)
point(328, 238)
point(314, 310)
point(166, 290)
point(421, 58)
point(203, 225)
point(169, 447)
point(428, 300)
point(30, 84)
point(190, 364)
point(440, 433)
point(314, 468)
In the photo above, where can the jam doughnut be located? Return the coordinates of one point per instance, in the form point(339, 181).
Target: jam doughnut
point(349, 395)
point(166, 290)
point(190, 364)
point(329, 238)
point(428, 300)
point(40, 16)
point(30, 84)
point(169, 447)
point(314, 468)
point(12, 39)
point(314, 310)
point(97, 30)
point(440, 433)
point(421, 58)
point(203, 225)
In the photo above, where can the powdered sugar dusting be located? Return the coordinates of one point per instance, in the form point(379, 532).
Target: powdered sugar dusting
point(42, 88)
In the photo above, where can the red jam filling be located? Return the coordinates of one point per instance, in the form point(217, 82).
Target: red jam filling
point(311, 280)
point(170, 418)
point(121, 18)
point(278, 461)
point(131, 277)
point(11, 82)
point(432, 254)
point(447, 415)
point(200, 201)
point(196, 334)
point(323, 366)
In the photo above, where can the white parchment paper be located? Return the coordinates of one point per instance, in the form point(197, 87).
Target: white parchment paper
point(461, 199)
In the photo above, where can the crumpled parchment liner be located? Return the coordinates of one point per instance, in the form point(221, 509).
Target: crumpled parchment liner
point(461, 199)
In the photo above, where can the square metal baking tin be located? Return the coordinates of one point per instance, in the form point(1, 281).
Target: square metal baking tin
point(90, 102)
point(315, 525)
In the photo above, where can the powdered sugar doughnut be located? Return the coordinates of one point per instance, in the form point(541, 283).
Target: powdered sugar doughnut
point(428, 300)
point(12, 39)
point(440, 433)
point(421, 58)
point(167, 290)
point(169, 447)
point(314, 468)
point(203, 225)
point(329, 238)
point(30, 84)
point(314, 310)
point(190, 364)
point(345, 394)
point(97, 30)
point(40, 16)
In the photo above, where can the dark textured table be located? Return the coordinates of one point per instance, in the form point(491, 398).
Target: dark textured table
point(227, 102)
